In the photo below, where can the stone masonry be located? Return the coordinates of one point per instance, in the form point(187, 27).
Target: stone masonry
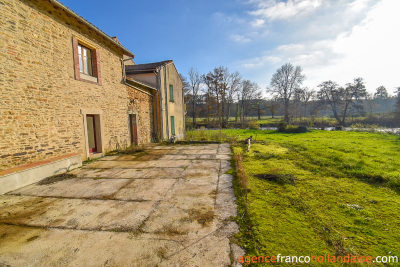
point(40, 99)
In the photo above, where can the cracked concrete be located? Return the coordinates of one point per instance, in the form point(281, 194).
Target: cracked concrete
point(166, 206)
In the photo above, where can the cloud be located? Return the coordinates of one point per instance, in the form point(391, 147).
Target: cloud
point(239, 38)
point(341, 41)
point(371, 50)
point(260, 62)
point(257, 23)
point(226, 18)
point(279, 10)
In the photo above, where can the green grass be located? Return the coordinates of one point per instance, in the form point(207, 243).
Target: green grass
point(318, 193)
point(265, 120)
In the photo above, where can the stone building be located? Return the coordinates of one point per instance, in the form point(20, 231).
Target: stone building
point(163, 78)
point(64, 94)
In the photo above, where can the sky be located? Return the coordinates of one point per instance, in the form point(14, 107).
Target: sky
point(335, 40)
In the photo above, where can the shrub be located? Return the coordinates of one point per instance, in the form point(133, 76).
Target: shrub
point(293, 129)
point(281, 127)
point(253, 125)
point(302, 129)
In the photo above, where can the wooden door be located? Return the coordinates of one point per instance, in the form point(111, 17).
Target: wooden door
point(91, 131)
point(134, 129)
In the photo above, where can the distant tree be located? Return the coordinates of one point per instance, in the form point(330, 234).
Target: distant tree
point(273, 105)
point(397, 107)
point(371, 102)
point(233, 87)
point(341, 99)
point(186, 86)
point(194, 87)
point(258, 101)
point(284, 83)
point(249, 91)
point(381, 93)
point(217, 84)
point(303, 97)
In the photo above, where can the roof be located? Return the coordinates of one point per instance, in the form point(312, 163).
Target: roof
point(148, 67)
point(90, 25)
point(143, 84)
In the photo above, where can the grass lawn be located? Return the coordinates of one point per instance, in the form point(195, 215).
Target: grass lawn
point(318, 193)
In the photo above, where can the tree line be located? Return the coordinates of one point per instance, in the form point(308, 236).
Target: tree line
point(219, 93)
point(215, 95)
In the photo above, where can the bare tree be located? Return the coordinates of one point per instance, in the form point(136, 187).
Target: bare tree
point(194, 84)
point(260, 100)
point(304, 95)
point(249, 91)
point(284, 83)
point(218, 83)
point(233, 87)
point(273, 105)
point(329, 93)
point(352, 97)
point(186, 86)
point(340, 99)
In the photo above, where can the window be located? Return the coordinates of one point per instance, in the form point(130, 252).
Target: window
point(172, 125)
point(86, 62)
point(171, 93)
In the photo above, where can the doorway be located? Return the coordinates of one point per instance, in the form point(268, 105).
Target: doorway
point(134, 129)
point(91, 131)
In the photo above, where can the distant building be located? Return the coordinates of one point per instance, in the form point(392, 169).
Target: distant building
point(64, 96)
point(163, 78)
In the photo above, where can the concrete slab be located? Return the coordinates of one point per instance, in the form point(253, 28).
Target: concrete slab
point(95, 173)
point(148, 173)
point(224, 149)
point(28, 246)
point(166, 206)
point(137, 164)
point(179, 157)
point(80, 214)
point(76, 188)
point(145, 189)
point(198, 152)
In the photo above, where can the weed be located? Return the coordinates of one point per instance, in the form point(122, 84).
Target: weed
point(204, 218)
point(133, 149)
point(171, 230)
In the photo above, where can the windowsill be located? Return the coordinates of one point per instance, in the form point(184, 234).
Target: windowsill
point(89, 78)
point(172, 101)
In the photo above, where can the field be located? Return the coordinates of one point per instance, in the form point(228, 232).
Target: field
point(316, 193)
point(381, 120)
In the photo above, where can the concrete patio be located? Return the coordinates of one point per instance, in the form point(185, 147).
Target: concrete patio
point(166, 206)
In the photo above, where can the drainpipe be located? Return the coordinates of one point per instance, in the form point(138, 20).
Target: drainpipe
point(183, 110)
point(160, 106)
point(166, 100)
point(155, 119)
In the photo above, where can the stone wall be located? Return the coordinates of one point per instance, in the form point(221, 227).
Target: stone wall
point(143, 106)
point(40, 99)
